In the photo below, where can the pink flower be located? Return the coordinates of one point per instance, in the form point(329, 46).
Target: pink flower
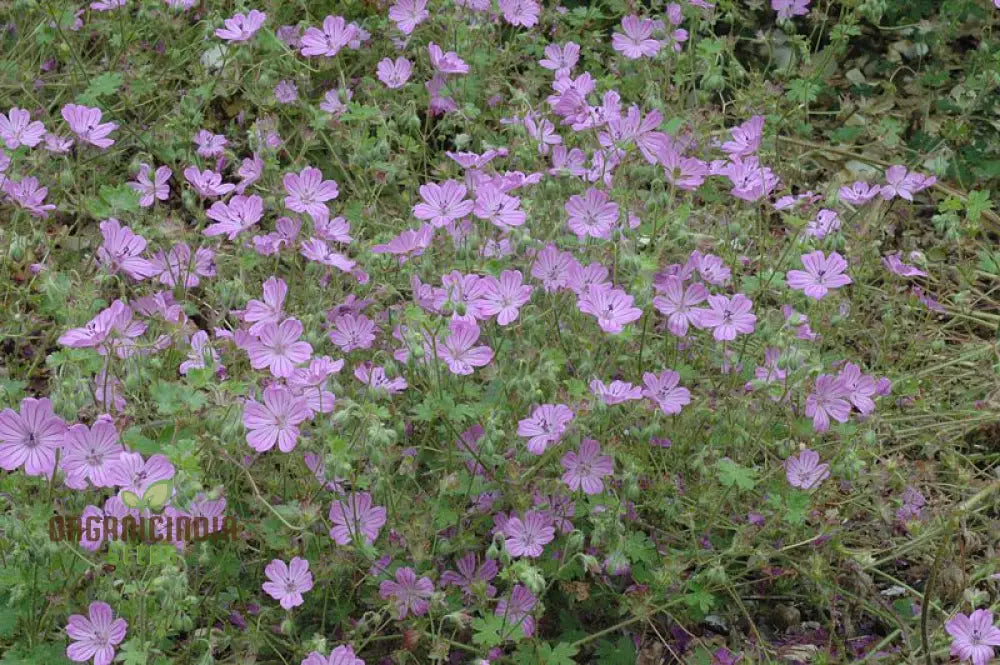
point(196, 356)
point(825, 223)
point(443, 203)
point(261, 313)
point(85, 122)
point(308, 192)
point(209, 144)
point(584, 469)
point(95, 637)
point(561, 59)
point(546, 426)
point(616, 392)
point(687, 173)
point(287, 582)
point(728, 317)
point(122, 250)
point(335, 101)
point(27, 194)
point(498, 208)
point(636, 41)
point(896, 266)
point(409, 593)
point(860, 387)
point(411, 242)
point(107, 5)
point(528, 536)
point(176, 267)
point(286, 92)
point(745, 138)
point(520, 12)
point(470, 574)
point(543, 132)
point(664, 391)
point(56, 144)
point(335, 35)
point(517, 610)
point(505, 296)
point(250, 171)
point(152, 190)
point(678, 304)
point(859, 193)
point(394, 73)
point(17, 129)
point(459, 349)
point(788, 9)
point(446, 63)
point(904, 184)
point(408, 14)
point(552, 267)
point(821, 274)
point(613, 308)
point(235, 217)
point(375, 378)
point(31, 438)
point(241, 27)
point(592, 214)
point(355, 516)
point(342, 655)
point(828, 400)
point(89, 452)
point(276, 420)
point(310, 383)
point(805, 471)
point(207, 183)
point(973, 636)
point(278, 348)
point(131, 473)
point(352, 332)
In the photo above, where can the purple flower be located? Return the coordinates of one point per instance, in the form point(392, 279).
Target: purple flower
point(276, 420)
point(616, 392)
point(131, 473)
point(408, 14)
point(973, 636)
point(409, 593)
point(446, 62)
point(241, 27)
point(278, 348)
point(335, 35)
point(176, 266)
point(728, 317)
point(552, 267)
point(122, 250)
point(443, 203)
point(459, 350)
point(860, 387)
point(207, 183)
point(17, 129)
point(261, 313)
point(85, 122)
point(664, 391)
point(678, 303)
point(286, 92)
point(31, 437)
point(235, 217)
point(394, 73)
point(196, 356)
point(903, 183)
point(95, 637)
point(788, 9)
point(896, 266)
point(500, 209)
point(375, 378)
point(592, 215)
point(528, 536)
point(769, 372)
point(520, 12)
point(805, 471)
point(411, 242)
point(27, 194)
point(287, 582)
point(90, 452)
point(635, 41)
point(585, 468)
point(342, 655)
point(859, 193)
point(153, 190)
point(504, 297)
point(308, 192)
point(613, 308)
point(516, 611)
point(821, 274)
point(745, 138)
point(469, 575)
point(561, 59)
point(353, 332)
point(355, 515)
point(545, 426)
point(828, 400)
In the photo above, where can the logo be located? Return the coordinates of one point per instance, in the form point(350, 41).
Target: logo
point(154, 498)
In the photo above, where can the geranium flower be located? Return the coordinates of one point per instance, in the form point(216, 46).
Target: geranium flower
point(973, 636)
point(342, 655)
point(592, 214)
point(616, 392)
point(664, 391)
point(821, 274)
point(276, 420)
point(678, 303)
point(545, 426)
point(805, 471)
point(355, 515)
point(287, 582)
point(31, 437)
point(408, 14)
point(96, 635)
point(85, 122)
point(278, 348)
point(89, 452)
point(17, 129)
point(409, 593)
point(516, 610)
point(504, 297)
point(634, 41)
point(828, 400)
point(528, 536)
point(153, 190)
point(443, 203)
point(459, 349)
point(308, 192)
point(728, 317)
point(585, 468)
point(613, 308)
point(335, 35)
point(241, 27)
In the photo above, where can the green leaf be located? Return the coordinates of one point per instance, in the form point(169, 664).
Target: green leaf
point(731, 473)
point(561, 654)
point(487, 630)
point(978, 202)
point(621, 652)
point(104, 85)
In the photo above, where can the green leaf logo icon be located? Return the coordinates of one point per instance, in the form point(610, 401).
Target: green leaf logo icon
point(154, 498)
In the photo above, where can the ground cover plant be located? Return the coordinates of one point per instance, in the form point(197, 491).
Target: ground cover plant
point(499, 332)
